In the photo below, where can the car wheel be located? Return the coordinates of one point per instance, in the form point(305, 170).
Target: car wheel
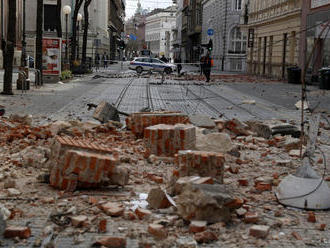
point(168, 70)
point(139, 69)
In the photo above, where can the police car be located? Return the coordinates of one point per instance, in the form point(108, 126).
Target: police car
point(141, 64)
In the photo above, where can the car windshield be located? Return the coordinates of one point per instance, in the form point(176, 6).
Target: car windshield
point(157, 61)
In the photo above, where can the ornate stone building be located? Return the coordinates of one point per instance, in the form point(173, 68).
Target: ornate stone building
point(229, 42)
point(273, 28)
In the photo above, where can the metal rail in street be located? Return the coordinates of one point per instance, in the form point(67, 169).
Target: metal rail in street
point(123, 93)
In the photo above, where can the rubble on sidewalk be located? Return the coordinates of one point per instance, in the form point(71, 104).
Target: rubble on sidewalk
point(130, 199)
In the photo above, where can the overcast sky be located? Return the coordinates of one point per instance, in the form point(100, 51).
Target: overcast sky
point(131, 5)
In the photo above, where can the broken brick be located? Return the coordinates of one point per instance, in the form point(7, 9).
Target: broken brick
point(111, 242)
point(296, 235)
point(197, 226)
point(142, 213)
point(113, 209)
point(78, 221)
point(102, 226)
point(21, 232)
point(243, 182)
point(311, 217)
point(158, 231)
point(251, 218)
point(167, 140)
point(200, 163)
point(205, 237)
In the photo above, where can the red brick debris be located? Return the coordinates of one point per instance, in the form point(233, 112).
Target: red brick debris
point(102, 177)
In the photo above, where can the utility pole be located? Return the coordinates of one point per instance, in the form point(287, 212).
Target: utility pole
point(224, 38)
point(23, 58)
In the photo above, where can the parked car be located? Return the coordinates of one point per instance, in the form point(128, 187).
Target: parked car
point(141, 64)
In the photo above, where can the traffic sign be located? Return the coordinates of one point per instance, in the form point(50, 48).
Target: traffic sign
point(210, 32)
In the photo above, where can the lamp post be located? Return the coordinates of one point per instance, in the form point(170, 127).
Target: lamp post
point(23, 59)
point(2, 27)
point(66, 11)
point(79, 18)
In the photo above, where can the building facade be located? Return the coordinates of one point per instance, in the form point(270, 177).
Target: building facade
point(229, 42)
point(273, 28)
point(158, 31)
point(4, 29)
point(315, 25)
point(105, 25)
point(177, 48)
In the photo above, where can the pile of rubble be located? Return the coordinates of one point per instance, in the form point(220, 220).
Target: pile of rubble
point(168, 180)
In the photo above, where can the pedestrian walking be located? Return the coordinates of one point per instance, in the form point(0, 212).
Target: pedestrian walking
point(164, 59)
point(206, 64)
point(97, 61)
point(177, 61)
point(105, 60)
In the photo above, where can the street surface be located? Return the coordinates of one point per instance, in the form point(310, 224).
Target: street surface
point(24, 154)
point(258, 99)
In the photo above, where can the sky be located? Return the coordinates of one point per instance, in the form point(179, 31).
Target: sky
point(131, 5)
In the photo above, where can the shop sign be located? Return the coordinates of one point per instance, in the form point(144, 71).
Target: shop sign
point(251, 38)
point(51, 56)
point(319, 3)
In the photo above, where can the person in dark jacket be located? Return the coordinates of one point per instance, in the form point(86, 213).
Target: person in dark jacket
point(206, 64)
point(164, 59)
point(97, 61)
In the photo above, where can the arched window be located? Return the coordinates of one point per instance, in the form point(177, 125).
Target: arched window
point(237, 41)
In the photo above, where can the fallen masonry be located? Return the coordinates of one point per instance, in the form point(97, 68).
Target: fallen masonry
point(138, 122)
point(75, 163)
point(217, 192)
point(167, 140)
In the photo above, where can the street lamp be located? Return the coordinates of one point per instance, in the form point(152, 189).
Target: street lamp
point(23, 59)
point(79, 18)
point(66, 11)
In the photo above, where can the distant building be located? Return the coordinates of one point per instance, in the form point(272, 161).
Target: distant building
point(221, 24)
point(315, 18)
point(274, 33)
point(158, 31)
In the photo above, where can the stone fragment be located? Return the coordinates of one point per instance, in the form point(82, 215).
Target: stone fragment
point(105, 112)
point(241, 212)
point(9, 183)
point(21, 232)
point(205, 237)
point(157, 199)
point(213, 142)
point(211, 203)
point(119, 176)
point(157, 231)
point(142, 213)
point(197, 226)
point(186, 242)
point(113, 209)
point(202, 121)
point(110, 242)
point(261, 129)
point(259, 231)
point(23, 119)
point(13, 192)
point(183, 181)
point(201, 163)
point(294, 153)
point(290, 143)
point(79, 220)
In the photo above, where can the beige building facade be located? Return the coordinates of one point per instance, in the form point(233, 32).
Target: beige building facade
point(273, 29)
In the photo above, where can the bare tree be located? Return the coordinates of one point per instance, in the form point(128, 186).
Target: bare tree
point(85, 36)
point(9, 50)
point(77, 7)
point(40, 13)
point(58, 18)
